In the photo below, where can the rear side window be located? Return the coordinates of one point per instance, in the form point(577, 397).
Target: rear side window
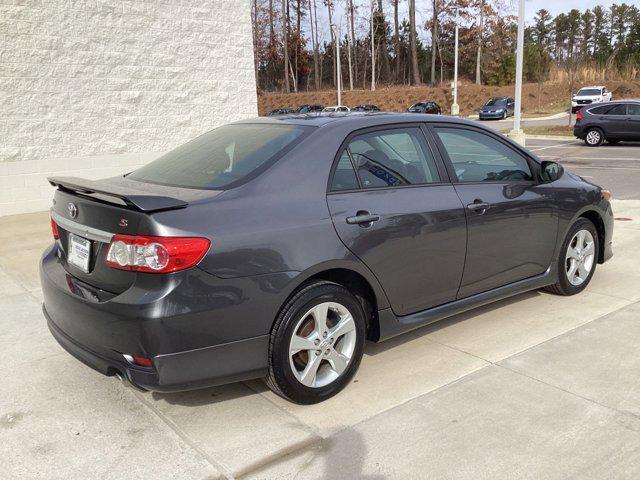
point(599, 110)
point(393, 157)
point(222, 157)
point(344, 177)
point(478, 157)
point(618, 110)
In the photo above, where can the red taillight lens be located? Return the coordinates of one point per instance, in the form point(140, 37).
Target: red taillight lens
point(54, 229)
point(155, 254)
point(579, 115)
point(142, 361)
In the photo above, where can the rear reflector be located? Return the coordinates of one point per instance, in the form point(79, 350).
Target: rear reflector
point(142, 361)
point(155, 254)
point(54, 229)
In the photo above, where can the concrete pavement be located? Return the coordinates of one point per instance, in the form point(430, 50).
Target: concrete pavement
point(536, 386)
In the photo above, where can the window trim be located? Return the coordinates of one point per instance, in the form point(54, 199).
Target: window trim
point(443, 173)
point(534, 166)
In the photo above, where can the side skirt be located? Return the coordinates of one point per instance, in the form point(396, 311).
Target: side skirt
point(391, 325)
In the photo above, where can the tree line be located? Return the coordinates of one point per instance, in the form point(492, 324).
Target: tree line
point(295, 47)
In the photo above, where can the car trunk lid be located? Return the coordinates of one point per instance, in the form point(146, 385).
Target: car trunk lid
point(89, 213)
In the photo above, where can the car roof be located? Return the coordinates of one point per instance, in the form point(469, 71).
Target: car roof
point(355, 119)
point(593, 86)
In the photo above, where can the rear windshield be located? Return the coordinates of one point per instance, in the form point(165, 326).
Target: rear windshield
point(589, 91)
point(222, 157)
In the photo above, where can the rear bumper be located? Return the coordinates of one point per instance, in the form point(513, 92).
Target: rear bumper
point(578, 132)
point(173, 326)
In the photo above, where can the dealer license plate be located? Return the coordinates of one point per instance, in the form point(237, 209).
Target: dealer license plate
point(79, 252)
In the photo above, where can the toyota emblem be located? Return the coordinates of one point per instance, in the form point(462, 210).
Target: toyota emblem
point(73, 210)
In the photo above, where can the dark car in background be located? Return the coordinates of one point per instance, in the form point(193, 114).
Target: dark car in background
point(281, 111)
point(497, 108)
point(612, 122)
point(365, 108)
point(425, 107)
point(309, 108)
point(274, 247)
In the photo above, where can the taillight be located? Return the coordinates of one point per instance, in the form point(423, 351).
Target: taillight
point(141, 253)
point(54, 229)
point(579, 115)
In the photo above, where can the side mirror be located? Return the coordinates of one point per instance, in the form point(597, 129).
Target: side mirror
point(551, 171)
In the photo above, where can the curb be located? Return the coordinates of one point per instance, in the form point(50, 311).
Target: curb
point(551, 137)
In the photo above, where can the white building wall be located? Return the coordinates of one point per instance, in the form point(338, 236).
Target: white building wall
point(95, 88)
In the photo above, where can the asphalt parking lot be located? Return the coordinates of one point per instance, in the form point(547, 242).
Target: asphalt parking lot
point(535, 386)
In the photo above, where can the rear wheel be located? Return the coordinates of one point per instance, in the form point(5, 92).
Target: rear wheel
point(578, 259)
point(594, 137)
point(316, 344)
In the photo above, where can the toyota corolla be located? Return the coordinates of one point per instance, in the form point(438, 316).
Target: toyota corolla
point(274, 248)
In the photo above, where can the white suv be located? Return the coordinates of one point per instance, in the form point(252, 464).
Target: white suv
point(589, 95)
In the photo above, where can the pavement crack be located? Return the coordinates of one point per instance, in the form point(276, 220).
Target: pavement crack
point(219, 467)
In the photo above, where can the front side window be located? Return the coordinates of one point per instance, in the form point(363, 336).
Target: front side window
point(478, 157)
point(394, 157)
point(221, 157)
point(633, 110)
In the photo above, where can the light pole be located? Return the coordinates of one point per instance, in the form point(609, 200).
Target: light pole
point(517, 134)
point(455, 108)
point(338, 69)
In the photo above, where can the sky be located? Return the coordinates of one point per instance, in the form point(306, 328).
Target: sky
point(423, 10)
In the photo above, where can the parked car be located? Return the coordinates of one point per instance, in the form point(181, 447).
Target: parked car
point(497, 108)
point(280, 111)
point(613, 122)
point(589, 95)
point(367, 107)
point(425, 107)
point(275, 247)
point(336, 108)
point(309, 108)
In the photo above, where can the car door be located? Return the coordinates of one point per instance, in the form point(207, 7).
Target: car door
point(400, 215)
point(614, 122)
point(633, 112)
point(512, 220)
point(510, 106)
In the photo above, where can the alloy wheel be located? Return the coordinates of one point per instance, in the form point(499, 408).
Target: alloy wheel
point(593, 137)
point(580, 257)
point(322, 344)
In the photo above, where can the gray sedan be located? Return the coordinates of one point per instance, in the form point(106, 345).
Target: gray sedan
point(274, 247)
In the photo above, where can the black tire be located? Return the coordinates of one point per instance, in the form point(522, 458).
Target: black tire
point(281, 378)
point(564, 286)
point(594, 137)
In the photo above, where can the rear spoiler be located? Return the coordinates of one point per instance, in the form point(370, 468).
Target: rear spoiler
point(132, 197)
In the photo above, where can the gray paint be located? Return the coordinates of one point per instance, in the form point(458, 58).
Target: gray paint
point(428, 256)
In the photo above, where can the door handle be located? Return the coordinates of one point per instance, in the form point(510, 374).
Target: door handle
point(363, 218)
point(479, 207)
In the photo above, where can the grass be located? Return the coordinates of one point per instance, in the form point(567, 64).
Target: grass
point(553, 130)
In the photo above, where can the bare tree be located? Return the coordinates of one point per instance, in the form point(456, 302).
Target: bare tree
point(314, 42)
point(396, 41)
point(353, 38)
point(434, 41)
point(285, 41)
point(412, 41)
point(479, 50)
point(329, 4)
point(373, 52)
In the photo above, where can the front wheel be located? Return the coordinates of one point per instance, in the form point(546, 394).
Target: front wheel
point(577, 260)
point(316, 344)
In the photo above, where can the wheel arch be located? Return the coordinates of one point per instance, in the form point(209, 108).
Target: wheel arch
point(594, 217)
point(358, 281)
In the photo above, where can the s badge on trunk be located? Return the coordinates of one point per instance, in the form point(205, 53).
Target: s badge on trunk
point(73, 210)
point(124, 222)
